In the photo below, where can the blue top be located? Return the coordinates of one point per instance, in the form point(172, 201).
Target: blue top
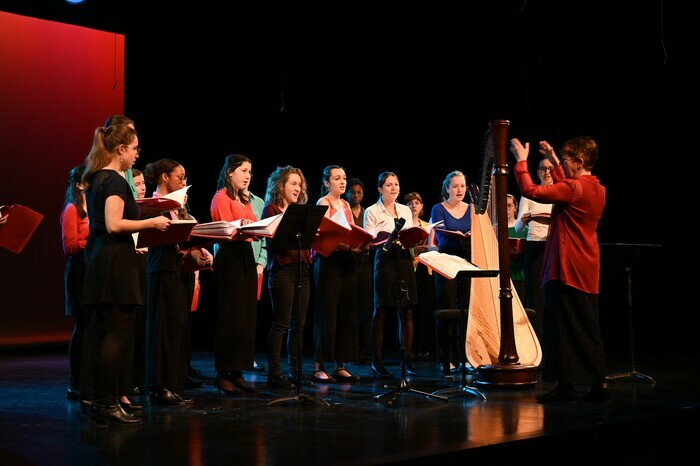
point(464, 224)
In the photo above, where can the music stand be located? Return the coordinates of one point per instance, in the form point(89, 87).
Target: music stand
point(463, 387)
point(296, 231)
point(404, 385)
point(632, 375)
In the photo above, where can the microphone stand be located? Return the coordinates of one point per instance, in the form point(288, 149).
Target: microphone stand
point(632, 375)
point(404, 383)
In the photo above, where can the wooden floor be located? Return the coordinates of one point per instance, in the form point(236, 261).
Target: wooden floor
point(644, 423)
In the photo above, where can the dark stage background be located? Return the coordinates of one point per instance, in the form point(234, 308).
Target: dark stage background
point(377, 86)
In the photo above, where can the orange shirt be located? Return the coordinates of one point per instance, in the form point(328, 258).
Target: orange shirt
point(74, 230)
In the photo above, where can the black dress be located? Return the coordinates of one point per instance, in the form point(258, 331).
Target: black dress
point(112, 270)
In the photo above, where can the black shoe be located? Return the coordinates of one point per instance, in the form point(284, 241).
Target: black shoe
point(410, 370)
point(344, 378)
point(241, 384)
point(197, 375)
point(277, 381)
point(131, 408)
point(192, 383)
point(561, 393)
point(114, 414)
point(380, 371)
point(164, 397)
point(257, 367)
point(317, 379)
point(72, 394)
point(223, 384)
point(292, 377)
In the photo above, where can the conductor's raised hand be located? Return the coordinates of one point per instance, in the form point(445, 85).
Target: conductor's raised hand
point(547, 152)
point(519, 151)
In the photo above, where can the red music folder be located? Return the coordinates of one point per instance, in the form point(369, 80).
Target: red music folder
point(329, 235)
point(152, 206)
point(178, 232)
point(358, 237)
point(408, 237)
point(516, 247)
point(19, 225)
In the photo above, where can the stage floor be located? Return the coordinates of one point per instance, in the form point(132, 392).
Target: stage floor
point(644, 423)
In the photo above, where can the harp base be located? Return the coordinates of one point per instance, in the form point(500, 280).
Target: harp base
point(516, 376)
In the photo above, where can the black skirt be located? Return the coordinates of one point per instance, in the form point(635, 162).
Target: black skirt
point(390, 267)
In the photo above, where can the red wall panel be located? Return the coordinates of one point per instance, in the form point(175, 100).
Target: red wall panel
point(58, 82)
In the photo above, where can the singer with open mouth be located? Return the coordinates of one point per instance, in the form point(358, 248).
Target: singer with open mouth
point(391, 216)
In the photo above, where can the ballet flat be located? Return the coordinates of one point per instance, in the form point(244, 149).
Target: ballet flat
point(345, 378)
point(317, 379)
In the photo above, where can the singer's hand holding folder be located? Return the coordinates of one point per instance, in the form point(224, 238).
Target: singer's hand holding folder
point(330, 234)
point(224, 230)
point(455, 234)
point(19, 226)
point(408, 237)
point(358, 237)
point(152, 206)
point(178, 232)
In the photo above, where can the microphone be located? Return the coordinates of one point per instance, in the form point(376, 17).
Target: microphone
point(394, 234)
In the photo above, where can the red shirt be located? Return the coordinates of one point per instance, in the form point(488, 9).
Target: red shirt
point(74, 230)
point(224, 208)
point(572, 253)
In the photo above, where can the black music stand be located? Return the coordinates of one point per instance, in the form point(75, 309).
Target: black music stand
point(296, 231)
point(404, 385)
point(632, 375)
point(463, 387)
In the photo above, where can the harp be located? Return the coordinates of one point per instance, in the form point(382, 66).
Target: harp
point(501, 343)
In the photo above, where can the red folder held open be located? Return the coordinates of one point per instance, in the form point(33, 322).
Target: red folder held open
point(19, 226)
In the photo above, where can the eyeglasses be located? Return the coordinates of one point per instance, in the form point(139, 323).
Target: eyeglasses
point(545, 169)
point(182, 178)
point(137, 148)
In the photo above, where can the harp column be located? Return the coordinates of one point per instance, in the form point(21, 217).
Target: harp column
point(509, 372)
